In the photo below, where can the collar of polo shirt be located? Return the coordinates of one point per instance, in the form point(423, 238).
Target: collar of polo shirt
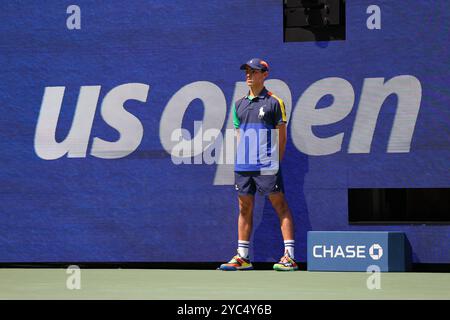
point(261, 95)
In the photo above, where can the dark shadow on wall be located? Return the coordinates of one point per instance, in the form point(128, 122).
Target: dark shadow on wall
point(267, 241)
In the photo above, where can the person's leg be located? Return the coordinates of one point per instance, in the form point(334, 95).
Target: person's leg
point(279, 203)
point(272, 186)
point(245, 220)
point(281, 207)
point(245, 224)
point(246, 190)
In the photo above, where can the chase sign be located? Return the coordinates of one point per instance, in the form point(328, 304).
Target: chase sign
point(356, 251)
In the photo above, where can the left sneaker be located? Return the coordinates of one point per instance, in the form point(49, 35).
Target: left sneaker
point(237, 263)
point(286, 263)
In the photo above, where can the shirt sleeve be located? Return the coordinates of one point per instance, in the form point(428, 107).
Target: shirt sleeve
point(236, 121)
point(280, 112)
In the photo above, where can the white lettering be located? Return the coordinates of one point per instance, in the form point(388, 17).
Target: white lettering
point(181, 152)
point(350, 251)
point(306, 116)
point(207, 141)
point(360, 251)
point(214, 116)
point(215, 141)
point(374, 21)
point(75, 143)
point(129, 127)
point(315, 254)
point(329, 251)
point(375, 91)
point(73, 21)
point(74, 280)
point(374, 280)
point(339, 252)
point(324, 251)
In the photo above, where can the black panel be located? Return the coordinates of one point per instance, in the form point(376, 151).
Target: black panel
point(420, 205)
point(314, 20)
point(295, 17)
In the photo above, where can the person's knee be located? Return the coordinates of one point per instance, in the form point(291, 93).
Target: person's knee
point(246, 209)
point(246, 205)
point(279, 204)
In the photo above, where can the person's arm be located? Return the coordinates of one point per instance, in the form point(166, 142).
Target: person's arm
point(280, 124)
point(236, 122)
point(282, 139)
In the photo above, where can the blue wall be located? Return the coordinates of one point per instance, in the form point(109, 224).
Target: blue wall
point(143, 207)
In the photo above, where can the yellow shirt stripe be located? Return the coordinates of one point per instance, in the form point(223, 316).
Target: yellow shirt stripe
point(283, 109)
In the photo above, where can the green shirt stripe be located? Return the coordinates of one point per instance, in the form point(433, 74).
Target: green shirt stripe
point(236, 121)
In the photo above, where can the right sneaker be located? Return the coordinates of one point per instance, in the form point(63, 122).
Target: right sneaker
point(237, 263)
point(286, 263)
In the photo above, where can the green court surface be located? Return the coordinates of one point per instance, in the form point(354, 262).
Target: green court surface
point(151, 284)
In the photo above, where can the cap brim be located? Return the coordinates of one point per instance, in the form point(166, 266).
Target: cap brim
point(244, 66)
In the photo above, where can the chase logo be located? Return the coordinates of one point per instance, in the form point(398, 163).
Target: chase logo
point(356, 250)
point(376, 251)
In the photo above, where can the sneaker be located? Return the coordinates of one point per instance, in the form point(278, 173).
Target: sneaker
point(237, 263)
point(286, 263)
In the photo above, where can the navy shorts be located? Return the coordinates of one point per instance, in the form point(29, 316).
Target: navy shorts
point(248, 182)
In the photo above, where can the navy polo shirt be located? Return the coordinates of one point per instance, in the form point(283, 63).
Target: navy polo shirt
point(255, 117)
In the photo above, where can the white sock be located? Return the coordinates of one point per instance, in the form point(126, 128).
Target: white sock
point(289, 247)
point(243, 248)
